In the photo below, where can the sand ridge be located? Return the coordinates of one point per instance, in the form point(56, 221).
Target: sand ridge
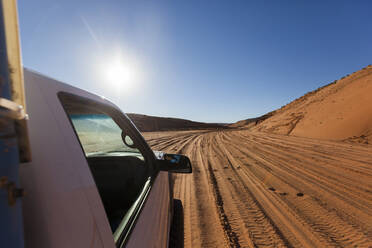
point(341, 110)
point(147, 123)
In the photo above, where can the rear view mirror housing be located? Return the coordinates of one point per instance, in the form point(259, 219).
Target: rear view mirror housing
point(175, 163)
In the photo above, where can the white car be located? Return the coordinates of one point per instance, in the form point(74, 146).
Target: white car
point(93, 180)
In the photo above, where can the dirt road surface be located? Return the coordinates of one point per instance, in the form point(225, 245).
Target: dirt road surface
point(251, 189)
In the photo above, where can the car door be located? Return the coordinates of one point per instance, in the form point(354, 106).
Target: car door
point(135, 196)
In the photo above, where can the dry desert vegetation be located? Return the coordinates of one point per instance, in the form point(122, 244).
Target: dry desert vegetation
point(300, 176)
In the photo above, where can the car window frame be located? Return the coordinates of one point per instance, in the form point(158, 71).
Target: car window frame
point(124, 123)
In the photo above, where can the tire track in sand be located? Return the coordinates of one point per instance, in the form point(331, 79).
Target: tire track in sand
point(252, 202)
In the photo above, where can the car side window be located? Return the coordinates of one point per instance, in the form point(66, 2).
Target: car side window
point(99, 135)
point(119, 167)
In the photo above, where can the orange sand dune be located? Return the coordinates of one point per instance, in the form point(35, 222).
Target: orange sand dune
point(341, 110)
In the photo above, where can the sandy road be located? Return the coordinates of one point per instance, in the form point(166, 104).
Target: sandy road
point(252, 189)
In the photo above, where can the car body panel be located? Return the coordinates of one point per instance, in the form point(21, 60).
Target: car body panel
point(62, 206)
point(62, 200)
point(153, 224)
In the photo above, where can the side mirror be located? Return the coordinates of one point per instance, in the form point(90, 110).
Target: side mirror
point(175, 163)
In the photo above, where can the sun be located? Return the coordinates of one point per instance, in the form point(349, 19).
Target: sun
point(121, 75)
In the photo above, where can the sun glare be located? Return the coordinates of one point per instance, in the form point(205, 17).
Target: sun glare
point(121, 75)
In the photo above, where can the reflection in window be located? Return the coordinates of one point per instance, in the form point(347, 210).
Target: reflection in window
point(101, 136)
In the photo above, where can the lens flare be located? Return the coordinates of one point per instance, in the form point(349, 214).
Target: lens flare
point(121, 75)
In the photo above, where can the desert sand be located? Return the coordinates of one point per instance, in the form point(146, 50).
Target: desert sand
point(299, 176)
point(341, 110)
point(255, 189)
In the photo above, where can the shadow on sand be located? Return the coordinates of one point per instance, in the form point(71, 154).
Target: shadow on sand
point(177, 230)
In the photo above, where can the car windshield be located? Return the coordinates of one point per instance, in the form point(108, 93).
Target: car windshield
point(101, 136)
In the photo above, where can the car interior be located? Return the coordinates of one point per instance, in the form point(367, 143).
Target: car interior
point(119, 180)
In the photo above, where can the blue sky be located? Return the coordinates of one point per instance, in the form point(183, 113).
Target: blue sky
point(212, 61)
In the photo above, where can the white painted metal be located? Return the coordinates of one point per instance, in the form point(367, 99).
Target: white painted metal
point(153, 224)
point(62, 207)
